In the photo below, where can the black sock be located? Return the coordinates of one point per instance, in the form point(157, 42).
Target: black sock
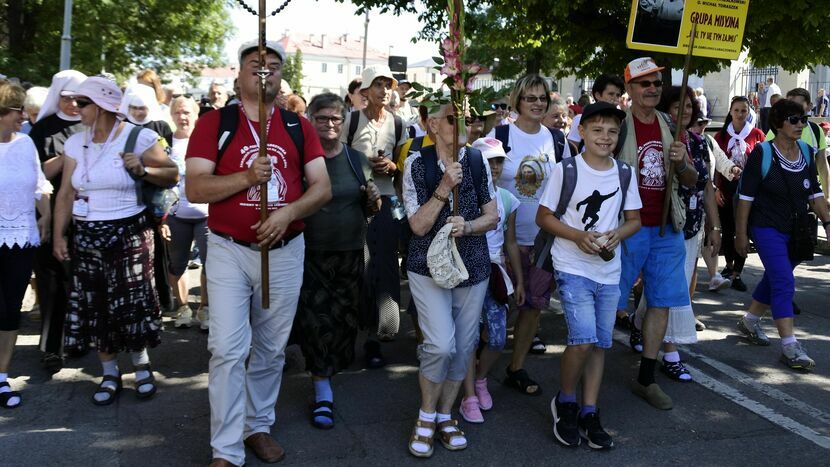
point(646, 375)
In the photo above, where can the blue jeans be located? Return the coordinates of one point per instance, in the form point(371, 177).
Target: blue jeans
point(590, 309)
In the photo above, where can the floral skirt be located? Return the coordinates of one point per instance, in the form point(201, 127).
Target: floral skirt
point(113, 303)
point(326, 323)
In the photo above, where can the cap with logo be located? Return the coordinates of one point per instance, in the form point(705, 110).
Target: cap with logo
point(640, 67)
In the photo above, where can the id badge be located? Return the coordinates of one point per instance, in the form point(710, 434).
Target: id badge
point(693, 203)
point(273, 190)
point(80, 208)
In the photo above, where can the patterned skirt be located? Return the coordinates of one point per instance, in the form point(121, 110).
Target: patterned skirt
point(113, 303)
point(326, 323)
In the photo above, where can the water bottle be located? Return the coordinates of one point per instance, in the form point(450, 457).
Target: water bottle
point(397, 208)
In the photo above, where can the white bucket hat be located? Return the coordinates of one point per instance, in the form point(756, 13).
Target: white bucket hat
point(371, 73)
point(444, 261)
point(103, 92)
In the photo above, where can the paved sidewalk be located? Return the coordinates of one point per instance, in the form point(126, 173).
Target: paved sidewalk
point(745, 409)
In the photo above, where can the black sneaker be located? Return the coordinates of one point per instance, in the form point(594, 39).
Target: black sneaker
point(591, 430)
point(636, 337)
point(727, 273)
point(738, 284)
point(374, 359)
point(565, 417)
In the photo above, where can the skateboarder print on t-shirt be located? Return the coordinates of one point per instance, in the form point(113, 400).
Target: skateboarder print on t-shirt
point(652, 170)
point(277, 187)
point(593, 204)
point(531, 175)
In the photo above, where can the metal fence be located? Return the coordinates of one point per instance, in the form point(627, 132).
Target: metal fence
point(750, 77)
point(497, 84)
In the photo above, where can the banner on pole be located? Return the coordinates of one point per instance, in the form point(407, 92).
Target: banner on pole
point(665, 26)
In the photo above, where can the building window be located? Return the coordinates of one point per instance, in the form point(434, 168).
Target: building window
point(340, 68)
point(433, 78)
point(358, 69)
point(324, 67)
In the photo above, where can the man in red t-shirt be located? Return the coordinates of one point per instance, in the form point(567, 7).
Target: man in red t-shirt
point(242, 400)
point(649, 146)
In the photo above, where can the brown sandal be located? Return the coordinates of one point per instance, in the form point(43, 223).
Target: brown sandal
point(416, 438)
point(447, 436)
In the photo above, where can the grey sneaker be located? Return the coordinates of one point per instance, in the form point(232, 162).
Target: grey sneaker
point(203, 315)
point(184, 317)
point(753, 332)
point(794, 356)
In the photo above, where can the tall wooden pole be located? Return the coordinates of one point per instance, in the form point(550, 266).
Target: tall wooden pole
point(263, 74)
point(678, 131)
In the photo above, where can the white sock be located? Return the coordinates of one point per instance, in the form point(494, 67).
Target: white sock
point(458, 440)
point(788, 340)
point(672, 357)
point(427, 433)
point(750, 317)
point(13, 401)
point(141, 358)
point(111, 369)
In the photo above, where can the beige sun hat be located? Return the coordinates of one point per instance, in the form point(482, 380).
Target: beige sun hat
point(370, 73)
point(444, 261)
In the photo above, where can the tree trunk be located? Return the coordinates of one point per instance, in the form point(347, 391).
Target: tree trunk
point(533, 62)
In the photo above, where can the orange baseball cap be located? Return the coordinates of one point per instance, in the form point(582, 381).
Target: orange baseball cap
point(640, 67)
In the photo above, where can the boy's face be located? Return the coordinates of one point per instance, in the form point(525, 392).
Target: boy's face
point(610, 94)
point(600, 135)
point(496, 166)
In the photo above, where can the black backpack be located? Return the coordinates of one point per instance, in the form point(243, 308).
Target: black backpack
point(159, 200)
point(229, 122)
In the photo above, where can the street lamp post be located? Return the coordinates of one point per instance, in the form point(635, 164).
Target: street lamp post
point(365, 37)
point(66, 38)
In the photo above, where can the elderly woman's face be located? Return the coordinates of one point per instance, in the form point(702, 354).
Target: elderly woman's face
point(184, 116)
point(67, 105)
point(441, 125)
point(12, 120)
point(87, 109)
point(328, 122)
point(792, 130)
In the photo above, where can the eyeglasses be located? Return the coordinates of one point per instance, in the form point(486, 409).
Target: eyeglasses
point(647, 84)
point(323, 120)
point(81, 103)
point(532, 99)
point(794, 119)
point(14, 109)
point(468, 121)
point(498, 106)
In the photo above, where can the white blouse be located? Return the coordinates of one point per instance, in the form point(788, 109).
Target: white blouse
point(21, 182)
point(100, 176)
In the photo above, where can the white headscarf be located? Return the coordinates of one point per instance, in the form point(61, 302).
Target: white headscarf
point(63, 83)
point(141, 95)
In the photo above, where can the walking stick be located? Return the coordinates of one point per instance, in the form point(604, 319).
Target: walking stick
point(263, 153)
point(678, 131)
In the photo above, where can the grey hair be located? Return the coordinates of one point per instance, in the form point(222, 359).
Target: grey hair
point(326, 100)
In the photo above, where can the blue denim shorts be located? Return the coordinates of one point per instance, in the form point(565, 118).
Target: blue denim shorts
point(590, 309)
point(662, 262)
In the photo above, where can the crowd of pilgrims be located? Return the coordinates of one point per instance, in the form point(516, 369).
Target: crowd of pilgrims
point(364, 194)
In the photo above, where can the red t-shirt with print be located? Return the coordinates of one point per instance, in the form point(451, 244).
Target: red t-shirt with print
point(652, 179)
point(236, 214)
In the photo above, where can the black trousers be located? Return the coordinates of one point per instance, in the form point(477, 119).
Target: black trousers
point(52, 280)
point(15, 271)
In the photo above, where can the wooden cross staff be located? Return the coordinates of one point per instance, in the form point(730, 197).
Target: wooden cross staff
point(263, 74)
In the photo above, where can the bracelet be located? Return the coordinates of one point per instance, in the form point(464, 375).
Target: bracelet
point(468, 228)
point(440, 198)
point(717, 228)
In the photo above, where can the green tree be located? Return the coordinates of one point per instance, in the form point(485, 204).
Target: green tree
point(292, 72)
point(587, 37)
point(118, 37)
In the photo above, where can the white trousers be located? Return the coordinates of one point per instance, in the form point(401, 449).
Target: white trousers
point(242, 400)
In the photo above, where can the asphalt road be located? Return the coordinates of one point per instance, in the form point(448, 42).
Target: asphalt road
point(745, 407)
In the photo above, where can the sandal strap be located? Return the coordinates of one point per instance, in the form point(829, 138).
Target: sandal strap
point(148, 380)
point(425, 425)
point(448, 424)
point(428, 440)
point(323, 408)
point(5, 384)
point(114, 379)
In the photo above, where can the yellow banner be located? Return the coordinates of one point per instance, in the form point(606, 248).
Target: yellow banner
point(665, 26)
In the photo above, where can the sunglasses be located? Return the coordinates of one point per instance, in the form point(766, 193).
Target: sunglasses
point(647, 84)
point(81, 103)
point(14, 109)
point(468, 121)
point(498, 106)
point(532, 99)
point(794, 119)
point(188, 95)
point(323, 120)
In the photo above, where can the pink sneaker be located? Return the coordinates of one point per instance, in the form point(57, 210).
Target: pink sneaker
point(485, 402)
point(470, 411)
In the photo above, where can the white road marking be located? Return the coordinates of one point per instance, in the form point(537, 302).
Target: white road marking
point(730, 393)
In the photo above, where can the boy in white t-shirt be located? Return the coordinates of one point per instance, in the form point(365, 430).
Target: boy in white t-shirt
point(586, 268)
point(500, 241)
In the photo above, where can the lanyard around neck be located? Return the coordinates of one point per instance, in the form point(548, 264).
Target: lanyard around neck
point(254, 133)
point(103, 150)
